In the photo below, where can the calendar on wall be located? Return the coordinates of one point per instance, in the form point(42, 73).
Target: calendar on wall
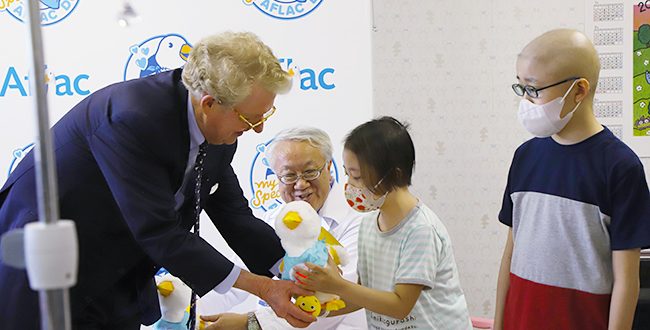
point(620, 31)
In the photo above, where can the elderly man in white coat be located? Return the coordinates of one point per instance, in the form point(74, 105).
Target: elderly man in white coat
point(302, 160)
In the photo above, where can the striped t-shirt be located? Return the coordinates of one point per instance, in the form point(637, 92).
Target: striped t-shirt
point(417, 251)
point(569, 206)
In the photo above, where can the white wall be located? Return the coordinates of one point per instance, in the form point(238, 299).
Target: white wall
point(446, 67)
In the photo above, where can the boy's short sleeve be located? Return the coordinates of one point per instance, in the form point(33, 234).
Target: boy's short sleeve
point(505, 215)
point(630, 203)
point(419, 257)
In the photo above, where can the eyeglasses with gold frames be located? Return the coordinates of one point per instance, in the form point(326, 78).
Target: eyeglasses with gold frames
point(264, 117)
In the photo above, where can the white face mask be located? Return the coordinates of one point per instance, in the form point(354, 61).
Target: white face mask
point(544, 120)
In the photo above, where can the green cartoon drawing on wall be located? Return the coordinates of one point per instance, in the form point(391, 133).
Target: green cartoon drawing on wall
point(641, 77)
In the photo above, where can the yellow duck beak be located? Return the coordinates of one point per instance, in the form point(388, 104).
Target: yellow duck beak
point(292, 219)
point(165, 288)
point(292, 72)
point(185, 51)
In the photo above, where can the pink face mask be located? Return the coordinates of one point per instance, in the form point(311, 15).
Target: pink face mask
point(362, 200)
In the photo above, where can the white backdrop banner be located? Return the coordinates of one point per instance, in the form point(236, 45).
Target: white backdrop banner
point(86, 49)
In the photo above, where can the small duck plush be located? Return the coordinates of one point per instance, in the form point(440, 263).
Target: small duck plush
point(299, 227)
point(174, 297)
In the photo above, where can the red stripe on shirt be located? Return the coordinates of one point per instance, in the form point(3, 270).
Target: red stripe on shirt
point(531, 306)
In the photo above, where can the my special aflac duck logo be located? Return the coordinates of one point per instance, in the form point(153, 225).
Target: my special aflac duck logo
point(284, 9)
point(264, 183)
point(157, 54)
point(51, 11)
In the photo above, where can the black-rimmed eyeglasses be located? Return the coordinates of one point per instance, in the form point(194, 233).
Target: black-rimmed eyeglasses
point(534, 91)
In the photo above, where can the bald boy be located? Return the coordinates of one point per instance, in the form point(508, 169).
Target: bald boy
point(576, 200)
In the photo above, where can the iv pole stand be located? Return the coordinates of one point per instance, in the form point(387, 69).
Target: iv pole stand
point(54, 303)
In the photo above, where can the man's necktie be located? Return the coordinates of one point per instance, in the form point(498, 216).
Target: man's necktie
point(198, 170)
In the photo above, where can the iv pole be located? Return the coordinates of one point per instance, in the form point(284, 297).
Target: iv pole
point(47, 249)
point(54, 302)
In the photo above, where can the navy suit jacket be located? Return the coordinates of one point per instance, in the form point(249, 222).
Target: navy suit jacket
point(121, 154)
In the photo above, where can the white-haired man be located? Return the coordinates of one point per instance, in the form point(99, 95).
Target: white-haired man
point(302, 160)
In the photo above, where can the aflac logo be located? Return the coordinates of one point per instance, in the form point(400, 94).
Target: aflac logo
point(63, 84)
point(284, 9)
point(311, 78)
point(18, 155)
point(52, 11)
point(157, 54)
point(265, 184)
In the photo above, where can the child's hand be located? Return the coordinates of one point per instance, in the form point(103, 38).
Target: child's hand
point(315, 278)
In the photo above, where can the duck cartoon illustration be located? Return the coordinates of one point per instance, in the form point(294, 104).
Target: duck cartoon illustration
point(171, 52)
point(157, 54)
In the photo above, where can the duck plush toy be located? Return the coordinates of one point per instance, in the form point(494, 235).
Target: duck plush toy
point(174, 297)
point(304, 240)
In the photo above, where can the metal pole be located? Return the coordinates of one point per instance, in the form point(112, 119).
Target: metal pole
point(54, 304)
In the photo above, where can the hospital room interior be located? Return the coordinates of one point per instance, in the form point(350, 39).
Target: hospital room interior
point(486, 162)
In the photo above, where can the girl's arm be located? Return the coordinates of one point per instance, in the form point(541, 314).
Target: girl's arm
point(396, 304)
point(349, 307)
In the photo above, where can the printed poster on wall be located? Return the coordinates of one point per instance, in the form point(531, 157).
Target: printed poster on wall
point(620, 31)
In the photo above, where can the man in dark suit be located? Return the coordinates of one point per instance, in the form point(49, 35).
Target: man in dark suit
point(126, 169)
